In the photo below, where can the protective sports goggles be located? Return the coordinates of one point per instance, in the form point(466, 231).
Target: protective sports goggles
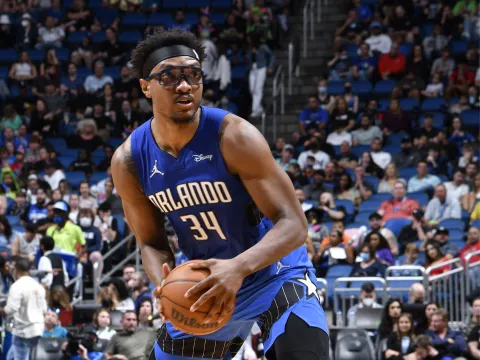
point(172, 76)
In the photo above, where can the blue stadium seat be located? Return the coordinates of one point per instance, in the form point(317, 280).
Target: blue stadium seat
point(408, 104)
point(433, 104)
point(239, 72)
point(98, 176)
point(426, 30)
point(452, 224)
point(94, 4)
point(369, 206)
point(130, 37)
point(328, 225)
point(160, 19)
point(58, 144)
point(217, 18)
point(407, 173)
point(4, 72)
point(133, 20)
point(454, 100)
point(69, 152)
point(359, 149)
point(348, 204)
point(192, 18)
point(19, 228)
point(174, 4)
point(65, 161)
point(8, 56)
point(352, 51)
point(476, 223)
point(395, 225)
point(438, 119)
point(406, 49)
point(395, 139)
point(470, 118)
point(456, 235)
point(106, 16)
point(383, 88)
point(420, 197)
point(355, 225)
point(99, 37)
point(197, 4)
point(362, 217)
point(361, 87)
point(36, 55)
point(63, 54)
point(76, 37)
point(458, 47)
point(372, 180)
point(115, 142)
point(335, 87)
point(383, 105)
point(113, 72)
point(381, 197)
point(392, 149)
point(83, 72)
point(74, 178)
point(13, 220)
point(223, 4)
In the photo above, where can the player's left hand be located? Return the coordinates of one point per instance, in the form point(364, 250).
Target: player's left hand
point(223, 283)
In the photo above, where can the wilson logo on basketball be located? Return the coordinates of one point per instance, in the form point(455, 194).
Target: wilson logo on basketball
point(190, 322)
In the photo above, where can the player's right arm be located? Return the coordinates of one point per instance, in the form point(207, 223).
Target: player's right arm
point(143, 218)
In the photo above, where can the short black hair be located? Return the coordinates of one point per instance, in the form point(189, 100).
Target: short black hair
point(160, 39)
point(48, 243)
point(22, 265)
point(3, 261)
point(31, 228)
point(368, 287)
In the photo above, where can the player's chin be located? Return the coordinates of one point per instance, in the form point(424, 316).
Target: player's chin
point(185, 114)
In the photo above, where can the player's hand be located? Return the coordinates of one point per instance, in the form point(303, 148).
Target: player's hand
point(223, 283)
point(158, 291)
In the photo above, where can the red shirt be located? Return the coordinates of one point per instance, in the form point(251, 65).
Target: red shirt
point(441, 269)
point(468, 249)
point(393, 209)
point(468, 75)
point(392, 65)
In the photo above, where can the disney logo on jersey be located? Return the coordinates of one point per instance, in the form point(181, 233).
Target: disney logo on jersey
point(201, 157)
point(155, 170)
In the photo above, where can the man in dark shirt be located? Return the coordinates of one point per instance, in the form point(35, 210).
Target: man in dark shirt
point(427, 129)
point(415, 231)
point(443, 338)
point(315, 189)
point(346, 158)
point(406, 157)
point(124, 84)
point(473, 342)
point(111, 51)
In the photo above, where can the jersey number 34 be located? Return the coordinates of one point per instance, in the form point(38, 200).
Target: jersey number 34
point(206, 221)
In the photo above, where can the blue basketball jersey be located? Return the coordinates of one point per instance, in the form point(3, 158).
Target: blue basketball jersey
point(208, 208)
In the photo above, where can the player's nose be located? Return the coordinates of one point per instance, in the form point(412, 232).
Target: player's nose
point(183, 86)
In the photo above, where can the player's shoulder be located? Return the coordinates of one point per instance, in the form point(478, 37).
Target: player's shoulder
point(236, 130)
point(122, 160)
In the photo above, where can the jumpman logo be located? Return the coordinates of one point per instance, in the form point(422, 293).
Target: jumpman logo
point(280, 266)
point(155, 170)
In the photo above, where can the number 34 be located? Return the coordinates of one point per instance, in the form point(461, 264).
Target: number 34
point(209, 221)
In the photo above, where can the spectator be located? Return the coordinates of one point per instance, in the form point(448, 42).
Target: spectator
point(441, 207)
point(363, 186)
point(128, 273)
point(382, 249)
point(401, 342)
point(340, 67)
point(313, 116)
point(346, 159)
point(434, 43)
point(472, 245)
point(365, 134)
point(26, 303)
point(341, 117)
point(395, 119)
point(53, 176)
point(435, 88)
point(460, 79)
point(380, 157)
point(411, 85)
point(418, 66)
point(260, 60)
point(369, 265)
point(444, 338)
point(424, 324)
point(416, 231)
point(74, 208)
point(474, 343)
point(93, 238)
point(316, 230)
point(6, 279)
point(407, 157)
point(60, 300)
point(52, 264)
point(391, 314)
point(53, 329)
point(333, 252)
point(443, 65)
point(50, 35)
point(87, 201)
point(327, 102)
point(337, 137)
point(369, 165)
point(83, 163)
point(81, 16)
point(95, 82)
point(350, 98)
point(434, 257)
point(145, 313)
point(101, 321)
point(392, 65)
point(286, 158)
point(141, 289)
point(366, 299)
point(424, 350)
point(83, 54)
point(67, 236)
point(23, 71)
point(379, 43)
point(391, 177)
point(345, 190)
point(112, 52)
point(313, 149)
point(120, 293)
point(423, 180)
point(317, 187)
point(131, 343)
point(441, 236)
point(26, 244)
point(400, 206)
point(38, 209)
point(364, 66)
point(330, 210)
point(10, 118)
point(474, 320)
point(471, 198)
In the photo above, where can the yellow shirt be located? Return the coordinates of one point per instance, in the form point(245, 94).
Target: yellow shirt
point(475, 213)
point(67, 237)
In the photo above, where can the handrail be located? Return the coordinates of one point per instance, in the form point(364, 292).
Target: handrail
point(278, 90)
point(468, 265)
point(264, 116)
point(392, 268)
point(307, 20)
point(325, 286)
point(97, 280)
point(440, 265)
point(290, 66)
point(70, 283)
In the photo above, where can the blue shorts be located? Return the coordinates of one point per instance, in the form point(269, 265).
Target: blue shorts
point(297, 295)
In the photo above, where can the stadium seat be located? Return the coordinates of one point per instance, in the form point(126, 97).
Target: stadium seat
point(426, 30)
point(217, 18)
point(383, 105)
point(456, 235)
point(362, 217)
point(351, 332)
point(408, 104)
point(352, 51)
point(433, 104)
point(76, 37)
point(381, 197)
point(452, 224)
point(65, 161)
point(8, 56)
point(115, 142)
point(407, 173)
point(4, 72)
point(98, 176)
point(328, 225)
point(396, 225)
point(239, 72)
point(59, 144)
point(192, 18)
point(406, 49)
point(395, 139)
point(69, 152)
point(174, 4)
point(476, 223)
point(134, 20)
point(19, 228)
point(347, 204)
point(372, 180)
point(63, 55)
point(438, 119)
point(94, 4)
point(120, 224)
point(74, 178)
point(458, 47)
point(197, 4)
point(369, 206)
point(420, 197)
point(48, 349)
point(392, 149)
point(13, 220)
point(368, 318)
point(113, 72)
point(454, 100)
point(36, 55)
point(359, 149)
point(361, 87)
point(383, 88)
point(130, 37)
point(83, 312)
point(354, 348)
point(470, 118)
point(223, 4)
point(460, 244)
point(99, 37)
point(83, 72)
point(106, 16)
point(160, 19)
point(336, 87)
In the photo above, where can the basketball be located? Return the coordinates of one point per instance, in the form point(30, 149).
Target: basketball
point(176, 307)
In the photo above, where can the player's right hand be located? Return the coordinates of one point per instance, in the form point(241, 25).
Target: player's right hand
point(158, 291)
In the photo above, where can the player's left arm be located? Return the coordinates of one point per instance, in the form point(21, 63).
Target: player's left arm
point(247, 154)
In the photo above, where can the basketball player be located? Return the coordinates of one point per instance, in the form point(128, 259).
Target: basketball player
point(212, 174)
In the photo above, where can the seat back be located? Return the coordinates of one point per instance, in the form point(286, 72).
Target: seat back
point(48, 349)
point(353, 347)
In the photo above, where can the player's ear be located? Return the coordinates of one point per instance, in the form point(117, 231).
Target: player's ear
point(145, 85)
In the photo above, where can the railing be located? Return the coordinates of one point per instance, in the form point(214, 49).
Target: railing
point(293, 62)
point(324, 286)
point(79, 298)
point(308, 24)
point(472, 271)
point(278, 95)
point(97, 280)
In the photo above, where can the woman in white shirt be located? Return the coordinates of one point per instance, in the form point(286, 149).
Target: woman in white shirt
point(435, 88)
point(101, 321)
point(23, 69)
point(391, 177)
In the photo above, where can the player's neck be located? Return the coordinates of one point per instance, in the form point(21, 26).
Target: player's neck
point(172, 136)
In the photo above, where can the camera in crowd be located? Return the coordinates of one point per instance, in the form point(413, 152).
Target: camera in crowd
point(87, 337)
